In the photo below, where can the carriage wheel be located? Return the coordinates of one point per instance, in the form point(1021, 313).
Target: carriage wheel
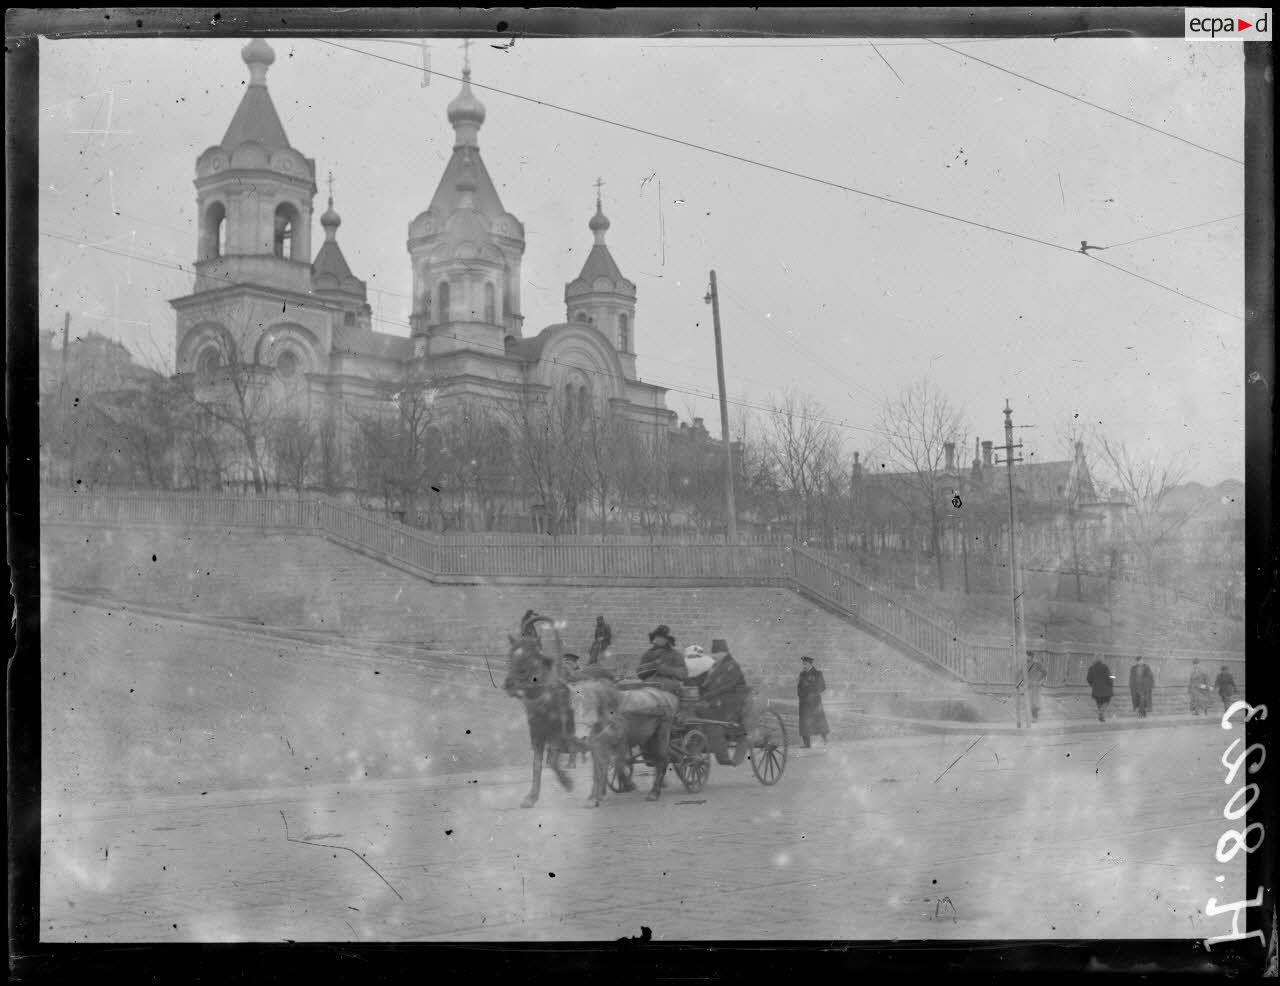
point(619, 776)
point(769, 759)
point(695, 761)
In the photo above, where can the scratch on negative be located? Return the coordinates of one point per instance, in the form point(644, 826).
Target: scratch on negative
point(1103, 757)
point(958, 759)
point(325, 845)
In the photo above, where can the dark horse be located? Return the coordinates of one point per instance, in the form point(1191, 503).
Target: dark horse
point(535, 679)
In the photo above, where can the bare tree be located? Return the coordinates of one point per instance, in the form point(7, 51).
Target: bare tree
point(1150, 526)
point(397, 447)
point(329, 454)
point(758, 494)
point(915, 427)
point(643, 476)
point(477, 466)
point(802, 448)
point(200, 447)
point(549, 436)
point(237, 391)
point(602, 447)
point(294, 445)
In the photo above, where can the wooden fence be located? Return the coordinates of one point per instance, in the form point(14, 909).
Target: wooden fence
point(832, 582)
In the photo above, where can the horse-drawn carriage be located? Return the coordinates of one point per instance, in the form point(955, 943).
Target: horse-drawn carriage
point(625, 723)
point(689, 750)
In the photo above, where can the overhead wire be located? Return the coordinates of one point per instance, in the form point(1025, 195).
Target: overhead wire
point(1079, 99)
point(1180, 229)
point(795, 174)
point(712, 150)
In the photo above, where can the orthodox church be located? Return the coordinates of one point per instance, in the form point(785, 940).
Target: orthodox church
point(299, 317)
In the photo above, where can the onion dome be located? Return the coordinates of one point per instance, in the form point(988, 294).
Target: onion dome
point(330, 221)
point(599, 223)
point(257, 54)
point(466, 113)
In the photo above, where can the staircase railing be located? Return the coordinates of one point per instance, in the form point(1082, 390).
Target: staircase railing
point(930, 634)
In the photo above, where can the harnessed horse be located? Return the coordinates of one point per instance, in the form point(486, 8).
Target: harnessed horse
point(617, 721)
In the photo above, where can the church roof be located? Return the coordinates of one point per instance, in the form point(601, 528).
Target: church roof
point(600, 263)
point(528, 349)
point(448, 196)
point(256, 117)
point(331, 261)
point(355, 341)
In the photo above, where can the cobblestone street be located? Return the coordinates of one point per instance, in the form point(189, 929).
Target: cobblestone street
point(1107, 834)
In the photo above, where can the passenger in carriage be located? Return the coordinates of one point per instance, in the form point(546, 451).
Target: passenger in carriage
point(697, 663)
point(662, 665)
point(724, 691)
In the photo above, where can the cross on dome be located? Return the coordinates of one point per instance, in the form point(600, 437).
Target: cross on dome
point(330, 220)
point(466, 113)
point(599, 222)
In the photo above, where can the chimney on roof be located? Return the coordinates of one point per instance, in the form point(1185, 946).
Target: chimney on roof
point(857, 466)
point(698, 425)
point(986, 453)
point(950, 449)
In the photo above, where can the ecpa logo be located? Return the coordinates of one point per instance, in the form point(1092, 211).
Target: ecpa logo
point(1228, 24)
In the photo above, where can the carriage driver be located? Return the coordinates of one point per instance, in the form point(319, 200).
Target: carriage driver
point(662, 665)
point(723, 693)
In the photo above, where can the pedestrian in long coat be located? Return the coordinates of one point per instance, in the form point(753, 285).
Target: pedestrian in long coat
point(1226, 686)
point(809, 687)
point(1141, 684)
point(1035, 675)
point(1198, 689)
point(1102, 684)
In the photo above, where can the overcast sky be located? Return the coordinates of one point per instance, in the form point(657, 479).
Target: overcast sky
point(846, 297)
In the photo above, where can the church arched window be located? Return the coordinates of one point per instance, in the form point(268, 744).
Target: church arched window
point(624, 333)
point(287, 364)
point(215, 232)
point(208, 364)
point(583, 403)
point(285, 229)
point(490, 304)
point(442, 296)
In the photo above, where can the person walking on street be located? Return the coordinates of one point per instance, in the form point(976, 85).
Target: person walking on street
point(1035, 675)
point(600, 642)
point(1102, 684)
point(1226, 686)
point(809, 687)
point(1198, 689)
point(1141, 684)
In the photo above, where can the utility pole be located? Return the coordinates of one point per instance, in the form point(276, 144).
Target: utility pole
point(63, 416)
point(714, 298)
point(1019, 629)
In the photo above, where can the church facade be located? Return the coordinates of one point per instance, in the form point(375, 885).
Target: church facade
point(290, 320)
